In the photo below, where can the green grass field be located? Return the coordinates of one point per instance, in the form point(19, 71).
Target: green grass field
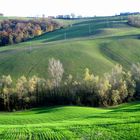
point(97, 43)
point(73, 123)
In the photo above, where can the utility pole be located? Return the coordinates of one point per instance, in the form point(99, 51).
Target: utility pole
point(30, 47)
point(89, 28)
point(107, 22)
point(65, 34)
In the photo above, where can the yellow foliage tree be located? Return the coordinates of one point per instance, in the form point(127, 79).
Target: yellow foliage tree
point(88, 76)
point(6, 88)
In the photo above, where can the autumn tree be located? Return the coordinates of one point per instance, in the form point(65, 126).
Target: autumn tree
point(134, 20)
point(6, 90)
point(22, 91)
point(122, 85)
point(135, 71)
point(15, 31)
point(103, 91)
point(89, 85)
point(56, 71)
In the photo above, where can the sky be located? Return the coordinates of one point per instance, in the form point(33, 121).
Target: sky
point(58, 7)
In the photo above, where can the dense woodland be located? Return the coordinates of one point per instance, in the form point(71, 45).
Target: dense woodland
point(15, 31)
point(113, 88)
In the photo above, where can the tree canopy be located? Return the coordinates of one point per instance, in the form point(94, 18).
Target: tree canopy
point(15, 31)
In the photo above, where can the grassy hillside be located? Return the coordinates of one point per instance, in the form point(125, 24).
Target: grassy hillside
point(84, 28)
point(96, 43)
point(75, 55)
point(72, 123)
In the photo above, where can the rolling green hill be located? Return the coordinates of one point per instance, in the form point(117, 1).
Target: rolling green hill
point(97, 43)
point(72, 123)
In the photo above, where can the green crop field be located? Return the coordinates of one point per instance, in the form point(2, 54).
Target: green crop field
point(97, 43)
point(72, 123)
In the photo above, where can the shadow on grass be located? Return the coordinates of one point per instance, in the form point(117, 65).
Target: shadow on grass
point(79, 30)
point(126, 110)
point(51, 109)
point(92, 36)
point(128, 107)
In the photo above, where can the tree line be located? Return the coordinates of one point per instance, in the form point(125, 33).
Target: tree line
point(15, 31)
point(134, 20)
point(113, 88)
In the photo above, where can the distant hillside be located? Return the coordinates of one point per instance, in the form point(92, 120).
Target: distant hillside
point(97, 43)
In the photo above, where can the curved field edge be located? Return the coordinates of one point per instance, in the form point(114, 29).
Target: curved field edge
point(75, 56)
point(79, 49)
point(123, 51)
point(71, 122)
point(99, 55)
